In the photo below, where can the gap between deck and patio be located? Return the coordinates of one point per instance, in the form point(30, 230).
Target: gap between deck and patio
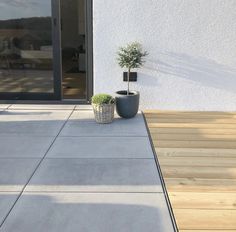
point(197, 155)
point(60, 171)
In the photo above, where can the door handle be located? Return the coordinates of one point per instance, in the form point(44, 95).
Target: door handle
point(55, 23)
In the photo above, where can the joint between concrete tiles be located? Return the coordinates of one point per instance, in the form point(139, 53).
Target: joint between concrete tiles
point(41, 160)
point(24, 190)
point(92, 192)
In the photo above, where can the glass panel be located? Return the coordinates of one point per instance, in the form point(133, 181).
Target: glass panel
point(73, 38)
point(26, 46)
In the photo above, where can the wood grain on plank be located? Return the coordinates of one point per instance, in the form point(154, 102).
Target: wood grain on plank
point(200, 185)
point(197, 154)
point(195, 130)
point(199, 172)
point(206, 219)
point(198, 161)
point(194, 137)
point(200, 200)
point(195, 120)
point(192, 125)
point(195, 144)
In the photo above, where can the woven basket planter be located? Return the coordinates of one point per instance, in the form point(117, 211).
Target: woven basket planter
point(104, 113)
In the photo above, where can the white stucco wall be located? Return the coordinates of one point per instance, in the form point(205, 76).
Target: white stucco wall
point(192, 51)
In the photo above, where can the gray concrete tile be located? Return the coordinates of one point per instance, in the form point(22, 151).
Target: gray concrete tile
point(83, 107)
point(4, 106)
point(89, 212)
point(24, 146)
point(82, 123)
point(7, 200)
point(101, 147)
point(41, 107)
point(14, 173)
point(111, 175)
point(36, 122)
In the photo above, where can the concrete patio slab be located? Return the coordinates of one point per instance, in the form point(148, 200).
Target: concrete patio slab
point(34, 115)
point(83, 107)
point(15, 173)
point(82, 123)
point(61, 212)
point(95, 178)
point(40, 107)
point(4, 106)
point(24, 146)
point(96, 175)
point(101, 147)
point(7, 200)
point(88, 116)
point(36, 122)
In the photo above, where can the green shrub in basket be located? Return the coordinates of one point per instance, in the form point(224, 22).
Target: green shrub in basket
point(103, 108)
point(102, 99)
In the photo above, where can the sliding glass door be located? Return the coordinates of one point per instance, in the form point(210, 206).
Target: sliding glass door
point(45, 49)
point(26, 50)
point(73, 40)
point(76, 49)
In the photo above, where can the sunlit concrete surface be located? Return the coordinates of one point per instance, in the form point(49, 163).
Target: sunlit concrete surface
point(60, 171)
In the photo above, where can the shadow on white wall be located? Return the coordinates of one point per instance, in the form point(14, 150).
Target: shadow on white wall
point(199, 69)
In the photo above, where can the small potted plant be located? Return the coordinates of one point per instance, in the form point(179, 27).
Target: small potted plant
point(103, 108)
point(129, 57)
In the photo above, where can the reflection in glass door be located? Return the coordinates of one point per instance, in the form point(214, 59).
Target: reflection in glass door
point(26, 51)
point(73, 48)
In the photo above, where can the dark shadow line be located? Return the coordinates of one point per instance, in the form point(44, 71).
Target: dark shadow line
point(170, 209)
point(71, 157)
point(95, 158)
point(103, 136)
point(93, 192)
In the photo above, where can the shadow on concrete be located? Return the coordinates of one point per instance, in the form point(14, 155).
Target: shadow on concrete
point(87, 213)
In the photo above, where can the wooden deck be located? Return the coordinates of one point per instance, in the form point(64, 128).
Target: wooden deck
point(197, 154)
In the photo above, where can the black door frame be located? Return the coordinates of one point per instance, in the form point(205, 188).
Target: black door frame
point(89, 48)
point(57, 61)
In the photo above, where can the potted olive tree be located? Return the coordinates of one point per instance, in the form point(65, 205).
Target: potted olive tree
point(103, 108)
point(129, 57)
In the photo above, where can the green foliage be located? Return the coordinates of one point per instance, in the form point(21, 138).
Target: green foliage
point(131, 56)
point(100, 99)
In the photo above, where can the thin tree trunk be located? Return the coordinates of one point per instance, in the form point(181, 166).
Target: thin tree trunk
point(128, 77)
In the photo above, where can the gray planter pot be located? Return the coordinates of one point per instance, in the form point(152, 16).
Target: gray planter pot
point(127, 105)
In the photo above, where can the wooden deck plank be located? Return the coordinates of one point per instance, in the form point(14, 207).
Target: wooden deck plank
point(195, 144)
point(197, 154)
point(193, 120)
point(199, 200)
point(159, 112)
point(199, 162)
point(202, 131)
point(200, 185)
point(194, 137)
point(193, 125)
point(209, 117)
point(200, 172)
point(190, 115)
point(206, 219)
point(207, 231)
